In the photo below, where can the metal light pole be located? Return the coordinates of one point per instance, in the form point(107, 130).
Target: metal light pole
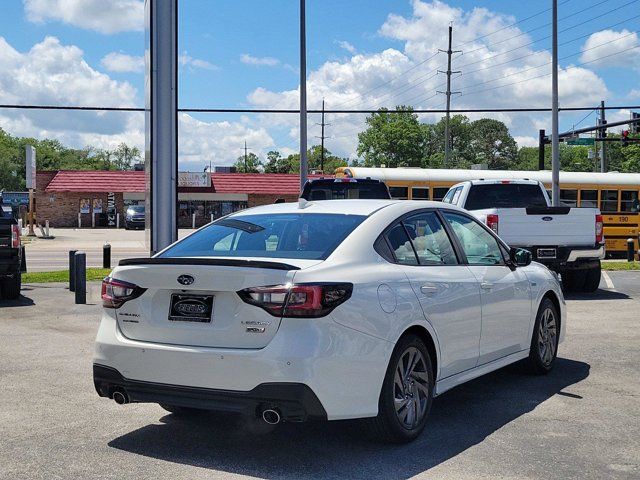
point(555, 146)
point(303, 96)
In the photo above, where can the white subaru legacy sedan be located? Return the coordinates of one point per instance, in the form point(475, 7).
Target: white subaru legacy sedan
point(330, 309)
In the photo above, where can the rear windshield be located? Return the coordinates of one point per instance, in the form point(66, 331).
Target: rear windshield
point(345, 190)
point(506, 195)
point(289, 235)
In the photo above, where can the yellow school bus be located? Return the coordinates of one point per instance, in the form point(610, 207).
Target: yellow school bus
point(616, 194)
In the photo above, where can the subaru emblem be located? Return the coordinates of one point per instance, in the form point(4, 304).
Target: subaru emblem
point(186, 279)
point(547, 219)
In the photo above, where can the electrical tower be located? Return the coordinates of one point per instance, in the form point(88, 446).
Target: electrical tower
point(448, 93)
point(245, 157)
point(322, 137)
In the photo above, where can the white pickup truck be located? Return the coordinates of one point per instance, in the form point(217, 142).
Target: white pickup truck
point(567, 240)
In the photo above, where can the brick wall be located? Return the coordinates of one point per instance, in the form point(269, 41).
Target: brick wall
point(256, 199)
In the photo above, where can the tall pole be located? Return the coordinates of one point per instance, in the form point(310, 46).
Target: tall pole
point(555, 146)
point(303, 96)
point(322, 140)
point(245, 157)
point(541, 142)
point(448, 93)
point(603, 121)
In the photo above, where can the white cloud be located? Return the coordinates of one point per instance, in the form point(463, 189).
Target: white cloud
point(601, 49)
point(347, 46)
point(186, 60)
point(121, 62)
point(104, 16)
point(259, 61)
point(526, 141)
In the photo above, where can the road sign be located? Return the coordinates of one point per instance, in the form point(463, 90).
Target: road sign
point(580, 141)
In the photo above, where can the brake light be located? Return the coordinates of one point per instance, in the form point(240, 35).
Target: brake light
point(492, 222)
point(15, 236)
point(599, 229)
point(116, 292)
point(298, 301)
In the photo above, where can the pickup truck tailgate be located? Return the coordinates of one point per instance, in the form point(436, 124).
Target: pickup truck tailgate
point(547, 226)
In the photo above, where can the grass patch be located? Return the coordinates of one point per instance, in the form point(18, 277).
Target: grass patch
point(93, 274)
point(613, 266)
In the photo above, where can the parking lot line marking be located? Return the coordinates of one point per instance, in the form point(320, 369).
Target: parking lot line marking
point(607, 280)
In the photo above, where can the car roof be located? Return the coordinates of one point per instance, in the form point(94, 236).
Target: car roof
point(345, 207)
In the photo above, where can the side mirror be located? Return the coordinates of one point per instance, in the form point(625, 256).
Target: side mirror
point(520, 257)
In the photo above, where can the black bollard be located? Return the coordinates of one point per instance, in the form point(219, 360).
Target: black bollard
point(630, 250)
point(72, 270)
point(81, 277)
point(106, 256)
point(23, 262)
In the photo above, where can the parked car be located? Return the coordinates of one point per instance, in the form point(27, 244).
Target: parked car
point(331, 309)
point(10, 254)
point(134, 217)
point(345, 188)
point(567, 240)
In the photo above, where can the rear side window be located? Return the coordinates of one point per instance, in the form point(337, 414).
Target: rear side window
point(507, 195)
point(430, 240)
point(401, 245)
point(287, 235)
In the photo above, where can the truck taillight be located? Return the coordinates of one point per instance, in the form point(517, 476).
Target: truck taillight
point(116, 292)
point(298, 301)
point(15, 236)
point(492, 222)
point(599, 229)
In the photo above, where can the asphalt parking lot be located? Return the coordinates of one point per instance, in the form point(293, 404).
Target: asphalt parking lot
point(581, 421)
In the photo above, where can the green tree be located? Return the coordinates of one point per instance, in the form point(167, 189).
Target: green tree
point(393, 139)
point(492, 144)
point(250, 164)
point(276, 163)
point(124, 156)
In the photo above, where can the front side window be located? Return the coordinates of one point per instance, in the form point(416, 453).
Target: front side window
point(430, 240)
point(480, 247)
point(609, 201)
point(286, 235)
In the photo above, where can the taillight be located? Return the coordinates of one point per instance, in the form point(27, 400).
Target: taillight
point(15, 236)
point(492, 222)
point(116, 292)
point(299, 301)
point(599, 229)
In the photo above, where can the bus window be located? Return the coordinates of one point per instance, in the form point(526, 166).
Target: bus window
point(420, 193)
point(589, 198)
point(609, 200)
point(439, 193)
point(399, 193)
point(629, 201)
point(569, 197)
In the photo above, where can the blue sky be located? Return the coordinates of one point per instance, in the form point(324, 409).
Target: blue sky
point(244, 53)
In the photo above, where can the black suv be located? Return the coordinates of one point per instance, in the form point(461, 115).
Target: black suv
point(345, 188)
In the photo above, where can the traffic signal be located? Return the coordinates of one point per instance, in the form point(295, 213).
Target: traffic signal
point(635, 126)
point(625, 138)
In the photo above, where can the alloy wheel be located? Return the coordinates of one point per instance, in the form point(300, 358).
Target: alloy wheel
point(411, 388)
point(547, 336)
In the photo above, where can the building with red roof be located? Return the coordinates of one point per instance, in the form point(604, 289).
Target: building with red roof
point(68, 198)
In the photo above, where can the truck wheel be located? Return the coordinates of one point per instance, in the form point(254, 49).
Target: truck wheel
point(11, 287)
point(573, 281)
point(592, 279)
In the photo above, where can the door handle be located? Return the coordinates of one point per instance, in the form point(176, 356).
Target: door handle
point(486, 285)
point(428, 289)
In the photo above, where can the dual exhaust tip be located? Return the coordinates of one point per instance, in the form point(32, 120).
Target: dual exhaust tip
point(270, 416)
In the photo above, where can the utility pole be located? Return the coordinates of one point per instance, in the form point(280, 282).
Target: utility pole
point(448, 93)
point(555, 141)
point(303, 96)
point(322, 137)
point(602, 134)
point(245, 157)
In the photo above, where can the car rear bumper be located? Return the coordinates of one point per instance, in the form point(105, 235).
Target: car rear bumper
point(295, 401)
point(341, 367)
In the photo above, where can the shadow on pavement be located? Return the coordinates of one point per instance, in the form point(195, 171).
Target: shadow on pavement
point(600, 294)
point(459, 419)
point(21, 301)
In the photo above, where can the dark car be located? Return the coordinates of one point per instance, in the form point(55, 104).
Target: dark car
point(10, 254)
point(134, 217)
point(345, 188)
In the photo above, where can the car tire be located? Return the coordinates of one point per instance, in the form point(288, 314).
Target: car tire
point(11, 287)
point(182, 411)
point(592, 279)
point(403, 407)
point(544, 340)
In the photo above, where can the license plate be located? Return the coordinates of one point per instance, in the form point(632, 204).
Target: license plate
point(191, 308)
point(546, 253)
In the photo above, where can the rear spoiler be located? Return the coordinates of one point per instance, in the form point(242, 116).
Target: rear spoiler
point(548, 210)
point(226, 262)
